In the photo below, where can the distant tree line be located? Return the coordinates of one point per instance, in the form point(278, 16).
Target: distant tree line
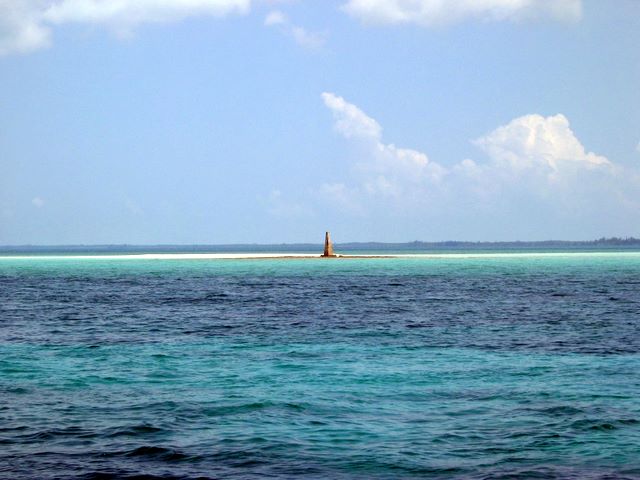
point(604, 242)
point(454, 244)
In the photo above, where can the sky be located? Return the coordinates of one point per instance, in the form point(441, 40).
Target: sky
point(271, 121)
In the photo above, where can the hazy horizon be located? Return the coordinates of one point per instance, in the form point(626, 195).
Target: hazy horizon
point(612, 241)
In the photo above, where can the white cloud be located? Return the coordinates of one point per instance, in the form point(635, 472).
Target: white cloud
point(303, 37)
point(37, 202)
point(535, 170)
point(440, 12)
point(533, 140)
point(21, 27)
point(528, 145)
point(385, 169)
point(134, 12)
point(350, 121)
point(25, 25)
point(307, 39)
point(275, 18)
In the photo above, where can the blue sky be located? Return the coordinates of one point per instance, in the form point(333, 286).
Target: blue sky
point(233, 121)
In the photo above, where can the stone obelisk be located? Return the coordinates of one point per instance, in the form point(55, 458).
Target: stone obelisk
point(328, 246)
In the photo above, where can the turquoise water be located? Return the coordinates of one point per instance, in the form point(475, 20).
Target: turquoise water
point(490, 366)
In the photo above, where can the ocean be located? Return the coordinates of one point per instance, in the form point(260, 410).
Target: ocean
point(446, 366)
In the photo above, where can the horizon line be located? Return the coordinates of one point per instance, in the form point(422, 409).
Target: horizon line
point(629, 239)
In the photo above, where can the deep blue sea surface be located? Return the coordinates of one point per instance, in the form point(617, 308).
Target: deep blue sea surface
point(483, 367)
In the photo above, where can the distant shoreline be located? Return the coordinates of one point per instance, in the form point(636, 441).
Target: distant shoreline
point(373, 248)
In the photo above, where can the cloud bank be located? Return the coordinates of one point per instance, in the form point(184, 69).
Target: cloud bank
point(429, 13)
point(25, 25)
point(532, 166)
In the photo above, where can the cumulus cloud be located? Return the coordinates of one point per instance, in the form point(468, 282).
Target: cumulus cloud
point(25, 25)
point(541, 157)
point(37, 202)
point(438, 12)
point(533, 140)
point(302, 36)
point(533, 166)
point(385, 169)
point(350, 121)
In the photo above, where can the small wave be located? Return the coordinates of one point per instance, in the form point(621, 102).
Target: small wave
point(248, 408)
point(19, 428)
point(133, 431)
point(206, 299)
point(216, 296)
point(158, 453)
point(561, 410)
point(235, 409)
point(17, 390)
point(602, 425)
point(56, 433)
point(126, 475)
point(303, 354)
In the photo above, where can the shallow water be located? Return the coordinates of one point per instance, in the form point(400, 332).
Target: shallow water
point(517, 366)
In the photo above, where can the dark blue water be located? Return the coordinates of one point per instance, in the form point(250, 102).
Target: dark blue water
point(441, 367)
